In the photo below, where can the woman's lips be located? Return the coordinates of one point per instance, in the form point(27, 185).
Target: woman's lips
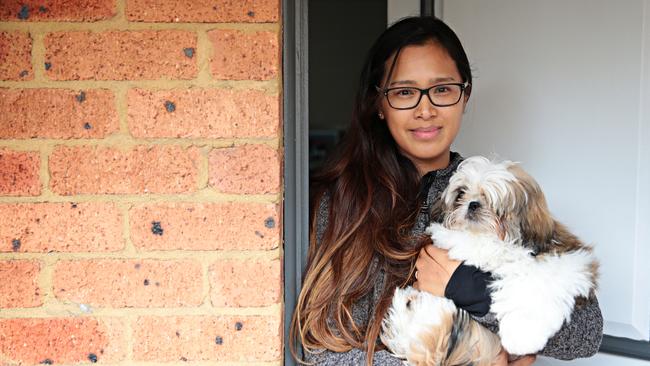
point(426, 132)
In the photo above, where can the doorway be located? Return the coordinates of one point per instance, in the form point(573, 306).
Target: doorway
point(357, 23)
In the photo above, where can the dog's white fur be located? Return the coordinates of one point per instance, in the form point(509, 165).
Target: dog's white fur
point(424, 329)
point(538, 266)
point(406, 319)
point(533, 293)
point(531, 297)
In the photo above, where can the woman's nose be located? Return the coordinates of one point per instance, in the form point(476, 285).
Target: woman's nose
point(425, 109)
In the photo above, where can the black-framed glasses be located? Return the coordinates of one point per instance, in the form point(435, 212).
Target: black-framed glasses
point(440, 95)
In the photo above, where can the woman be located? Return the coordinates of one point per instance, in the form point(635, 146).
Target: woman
point(372, 204)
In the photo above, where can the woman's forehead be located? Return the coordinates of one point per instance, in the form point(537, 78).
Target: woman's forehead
point(418, 64)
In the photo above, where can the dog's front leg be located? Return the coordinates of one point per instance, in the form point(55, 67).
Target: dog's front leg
point(444, 238)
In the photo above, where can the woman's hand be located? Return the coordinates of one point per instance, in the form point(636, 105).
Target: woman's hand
point(502, 360)
point(524, 361)
point(433, 270)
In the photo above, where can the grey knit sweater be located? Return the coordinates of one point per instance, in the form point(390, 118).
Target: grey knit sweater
point(581, 337)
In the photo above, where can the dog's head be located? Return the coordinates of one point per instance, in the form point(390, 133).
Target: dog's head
point(429, 330)
point(498, 198)
point(412, 314)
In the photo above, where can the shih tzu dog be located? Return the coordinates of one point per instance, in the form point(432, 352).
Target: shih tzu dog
point(494, 217)
point(424, 329)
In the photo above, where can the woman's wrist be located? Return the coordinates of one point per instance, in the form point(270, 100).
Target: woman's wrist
point(468, 288)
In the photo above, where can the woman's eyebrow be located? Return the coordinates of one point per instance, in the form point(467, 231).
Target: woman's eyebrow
point(442, 79)
point(403, 82)
point(433, 81)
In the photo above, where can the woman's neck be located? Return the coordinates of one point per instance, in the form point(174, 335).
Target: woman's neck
point(441, 162)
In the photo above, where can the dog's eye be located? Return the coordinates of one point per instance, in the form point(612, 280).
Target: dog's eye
point(460, 195)
point(408, 304)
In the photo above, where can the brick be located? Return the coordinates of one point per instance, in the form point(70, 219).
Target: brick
point(247, 169)
point(19, 284)
point(207, 11)
point(105, 170)
point(19, 173)
point(57, 113)
point(61, 227)
point(205, 226)
point(62, 340)
point(56, 10)
point(129, 283)
point(120, 55)
point(245, 283)
point(207, 338)
point(15, 55)
point(244, 55)
point(203, 113)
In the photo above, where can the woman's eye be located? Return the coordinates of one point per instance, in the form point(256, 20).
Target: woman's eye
point(404, 92)
point(441, 89)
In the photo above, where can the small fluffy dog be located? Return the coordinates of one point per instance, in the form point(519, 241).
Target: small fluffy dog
point(495, 217)
point(424, 329)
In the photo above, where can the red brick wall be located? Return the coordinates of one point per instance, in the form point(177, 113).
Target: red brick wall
point(140, 182)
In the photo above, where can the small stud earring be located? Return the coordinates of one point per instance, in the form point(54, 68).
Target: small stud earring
point(381, 115)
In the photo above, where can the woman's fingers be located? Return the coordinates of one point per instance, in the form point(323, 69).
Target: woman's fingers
point(501, 360)
point(433, 271)
point(441, 257)
point(524, 361)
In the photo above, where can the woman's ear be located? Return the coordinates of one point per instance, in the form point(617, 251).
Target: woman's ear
point(466, 94)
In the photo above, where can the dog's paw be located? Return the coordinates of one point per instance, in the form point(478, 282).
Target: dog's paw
point(441, 236)
point(433, 228)
point(523, 333)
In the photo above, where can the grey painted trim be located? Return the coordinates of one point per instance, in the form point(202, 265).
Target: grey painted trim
point(296, 169)
point(625, 347)
point(438, 9)
point(427, 7)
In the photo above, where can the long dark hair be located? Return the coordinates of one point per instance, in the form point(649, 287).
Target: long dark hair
point(372, 192)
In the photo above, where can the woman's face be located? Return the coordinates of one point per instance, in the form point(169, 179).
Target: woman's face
point(423, 134)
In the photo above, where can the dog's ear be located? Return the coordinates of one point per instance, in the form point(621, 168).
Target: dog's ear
point(437, 211)
point(564, 240)
point(537, 224)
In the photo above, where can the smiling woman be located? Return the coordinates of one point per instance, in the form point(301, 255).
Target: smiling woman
point(372, 202)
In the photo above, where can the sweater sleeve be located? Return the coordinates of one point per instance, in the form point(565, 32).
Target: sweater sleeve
point(352, 357)
point(580, 337)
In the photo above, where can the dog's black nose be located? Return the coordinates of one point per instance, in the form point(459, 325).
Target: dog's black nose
point(474, 205)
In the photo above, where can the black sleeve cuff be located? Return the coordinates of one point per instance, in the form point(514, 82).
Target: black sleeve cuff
point(468, 289)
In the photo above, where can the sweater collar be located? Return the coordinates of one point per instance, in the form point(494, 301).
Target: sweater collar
point(454, 161)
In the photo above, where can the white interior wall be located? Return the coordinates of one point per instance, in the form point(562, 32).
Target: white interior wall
point(564, 87)
point(398, 9)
